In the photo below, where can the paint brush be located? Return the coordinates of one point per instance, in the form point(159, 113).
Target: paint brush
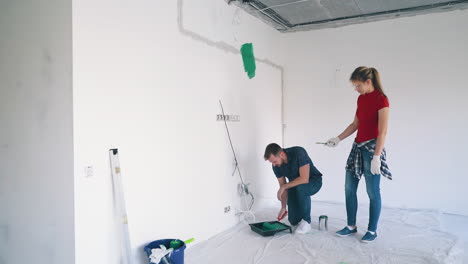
point(282, 216)
point(320, 143)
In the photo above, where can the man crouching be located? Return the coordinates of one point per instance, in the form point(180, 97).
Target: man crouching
point(304, 180)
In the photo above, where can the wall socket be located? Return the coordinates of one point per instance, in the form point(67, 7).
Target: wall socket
point(89, 171)
point(227, 209)
point(228, 118)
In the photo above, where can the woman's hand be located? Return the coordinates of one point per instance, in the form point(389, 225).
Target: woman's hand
point(333, 142)
point(375, 165)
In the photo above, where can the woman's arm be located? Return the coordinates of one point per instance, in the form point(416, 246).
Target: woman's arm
point(383, 126)
point(350, 129)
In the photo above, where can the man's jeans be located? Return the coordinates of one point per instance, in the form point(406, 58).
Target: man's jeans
point(299, 201)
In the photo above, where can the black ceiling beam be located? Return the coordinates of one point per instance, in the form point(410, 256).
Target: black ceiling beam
point(258, 5)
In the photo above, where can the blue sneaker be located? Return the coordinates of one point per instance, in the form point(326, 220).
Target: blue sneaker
point(346, 231)
point(368, 237)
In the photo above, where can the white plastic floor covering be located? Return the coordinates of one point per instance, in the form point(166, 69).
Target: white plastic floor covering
point(404, 236)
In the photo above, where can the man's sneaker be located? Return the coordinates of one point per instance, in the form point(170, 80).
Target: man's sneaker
point(303, 228)
point(346, 231)
point(369, 237)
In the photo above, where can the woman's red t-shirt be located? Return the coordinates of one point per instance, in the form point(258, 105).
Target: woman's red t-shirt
point(368, 106)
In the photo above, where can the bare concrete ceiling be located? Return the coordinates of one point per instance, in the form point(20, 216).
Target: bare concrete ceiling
point(298, 15)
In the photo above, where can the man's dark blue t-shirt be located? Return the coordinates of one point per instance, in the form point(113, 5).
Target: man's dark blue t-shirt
point(297, 157)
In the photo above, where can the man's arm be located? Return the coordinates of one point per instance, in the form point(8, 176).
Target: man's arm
point(302, 179)
point(284, 197)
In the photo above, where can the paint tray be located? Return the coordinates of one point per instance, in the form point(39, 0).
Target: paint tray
point(269, 228)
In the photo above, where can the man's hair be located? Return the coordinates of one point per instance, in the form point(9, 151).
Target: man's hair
point(272, 148)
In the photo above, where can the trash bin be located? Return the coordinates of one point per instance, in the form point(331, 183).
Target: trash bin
point(177, 256)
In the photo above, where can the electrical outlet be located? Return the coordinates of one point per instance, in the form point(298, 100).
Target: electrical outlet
point(89, 171)
point(227, 209)
point(228, 118)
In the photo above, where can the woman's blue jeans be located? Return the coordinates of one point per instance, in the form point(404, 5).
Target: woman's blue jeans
point(373, 191)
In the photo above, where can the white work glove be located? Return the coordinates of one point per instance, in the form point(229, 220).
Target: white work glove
point(158, 254)
point(375, 165)
point(332, 142)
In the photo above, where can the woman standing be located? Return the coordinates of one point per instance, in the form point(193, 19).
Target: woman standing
point(368, 153)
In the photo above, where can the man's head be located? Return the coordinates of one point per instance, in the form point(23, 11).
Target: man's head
point(275, 154)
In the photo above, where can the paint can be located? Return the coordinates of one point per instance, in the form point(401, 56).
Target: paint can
point(323, 222)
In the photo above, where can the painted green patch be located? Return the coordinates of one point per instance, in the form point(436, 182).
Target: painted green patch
point(249, 59)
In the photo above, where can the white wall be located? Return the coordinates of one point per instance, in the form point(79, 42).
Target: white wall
point(36, 140)
point(423, 65)
point(142, 86)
